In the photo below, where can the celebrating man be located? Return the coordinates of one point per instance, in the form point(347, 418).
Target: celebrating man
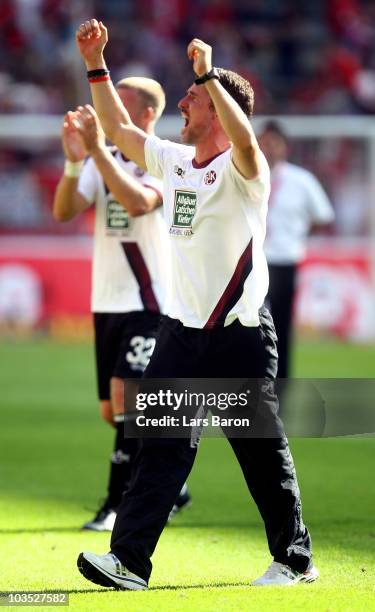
point(216, 325)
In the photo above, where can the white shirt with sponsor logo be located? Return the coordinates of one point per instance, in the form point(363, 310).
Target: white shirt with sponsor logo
point(217, 223)
point(297, 202)
point(131, 254)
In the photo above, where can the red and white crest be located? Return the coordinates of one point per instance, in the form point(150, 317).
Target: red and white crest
point(210, 177)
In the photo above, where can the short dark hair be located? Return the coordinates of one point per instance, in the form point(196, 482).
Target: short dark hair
point(239, 88)
point(275, 128)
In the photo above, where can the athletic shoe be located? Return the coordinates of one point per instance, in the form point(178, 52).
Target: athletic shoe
point(103, 520)
point(283, 575)
point(183, 501)
point(108, 571)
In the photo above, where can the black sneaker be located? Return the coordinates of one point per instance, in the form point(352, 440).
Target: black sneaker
point(104, 519)
point(183, 501)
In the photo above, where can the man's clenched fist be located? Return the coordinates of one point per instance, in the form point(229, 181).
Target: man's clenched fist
point(92, 37)
point(201, 55)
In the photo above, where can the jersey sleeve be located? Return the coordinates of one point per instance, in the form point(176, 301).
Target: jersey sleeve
point(160, 153)
point(155, 156)
point(258, 188)
point(319, 206)
point(89, 181)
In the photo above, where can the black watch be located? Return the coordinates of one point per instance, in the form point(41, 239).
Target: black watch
point(212, 74)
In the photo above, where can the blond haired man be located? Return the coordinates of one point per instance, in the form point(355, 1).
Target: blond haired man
point(130, 275)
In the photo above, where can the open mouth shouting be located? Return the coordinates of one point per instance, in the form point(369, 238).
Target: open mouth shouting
point(185, 117)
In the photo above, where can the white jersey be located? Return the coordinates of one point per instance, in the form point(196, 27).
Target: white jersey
point(297, 201)
point(217, 224)
point(131, 254)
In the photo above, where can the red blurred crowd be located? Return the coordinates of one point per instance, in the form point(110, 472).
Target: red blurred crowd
point(313, 58)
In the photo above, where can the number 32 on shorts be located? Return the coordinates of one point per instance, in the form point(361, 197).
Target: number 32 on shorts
point(141, 352)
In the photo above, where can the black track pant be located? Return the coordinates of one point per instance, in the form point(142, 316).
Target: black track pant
point(280, 299)
point(163, 465)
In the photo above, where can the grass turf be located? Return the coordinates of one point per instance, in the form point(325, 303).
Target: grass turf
point(54, 456)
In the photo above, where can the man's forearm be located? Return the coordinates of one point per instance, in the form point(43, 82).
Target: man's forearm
point(233, 120)
point(135, 198)
point(65, 205)
point(115, 120)
point(91, 39)
point(245, 153)
point(107, 103)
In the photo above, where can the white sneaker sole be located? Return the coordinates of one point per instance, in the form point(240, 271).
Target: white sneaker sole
point(93, 572)
point(97, 527)
point(105, 525)
point(308, 576)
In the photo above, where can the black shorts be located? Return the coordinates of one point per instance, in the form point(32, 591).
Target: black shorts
point(124, 343)
point(186, 356)
point(234, 351)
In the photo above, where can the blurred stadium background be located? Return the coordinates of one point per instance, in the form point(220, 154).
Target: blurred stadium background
point(312, 65)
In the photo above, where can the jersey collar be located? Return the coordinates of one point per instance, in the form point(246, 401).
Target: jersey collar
point(196, 165)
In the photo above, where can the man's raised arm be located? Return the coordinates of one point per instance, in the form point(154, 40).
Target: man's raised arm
point(91, 39)
point(68, 201)
point(236, 125)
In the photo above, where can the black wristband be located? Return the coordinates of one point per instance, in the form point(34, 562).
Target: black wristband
point(212, 74)
point(91, 74)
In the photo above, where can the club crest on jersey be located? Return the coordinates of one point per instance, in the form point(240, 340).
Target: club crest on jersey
point(185, 206)
point(139, 172)
point(210, 177)
point(179, 171)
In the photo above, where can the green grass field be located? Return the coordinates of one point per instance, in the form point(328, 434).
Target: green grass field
point(54, 455)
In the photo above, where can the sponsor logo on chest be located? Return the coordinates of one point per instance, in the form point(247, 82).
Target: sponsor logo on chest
point(117, 217)
point(185, 206)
